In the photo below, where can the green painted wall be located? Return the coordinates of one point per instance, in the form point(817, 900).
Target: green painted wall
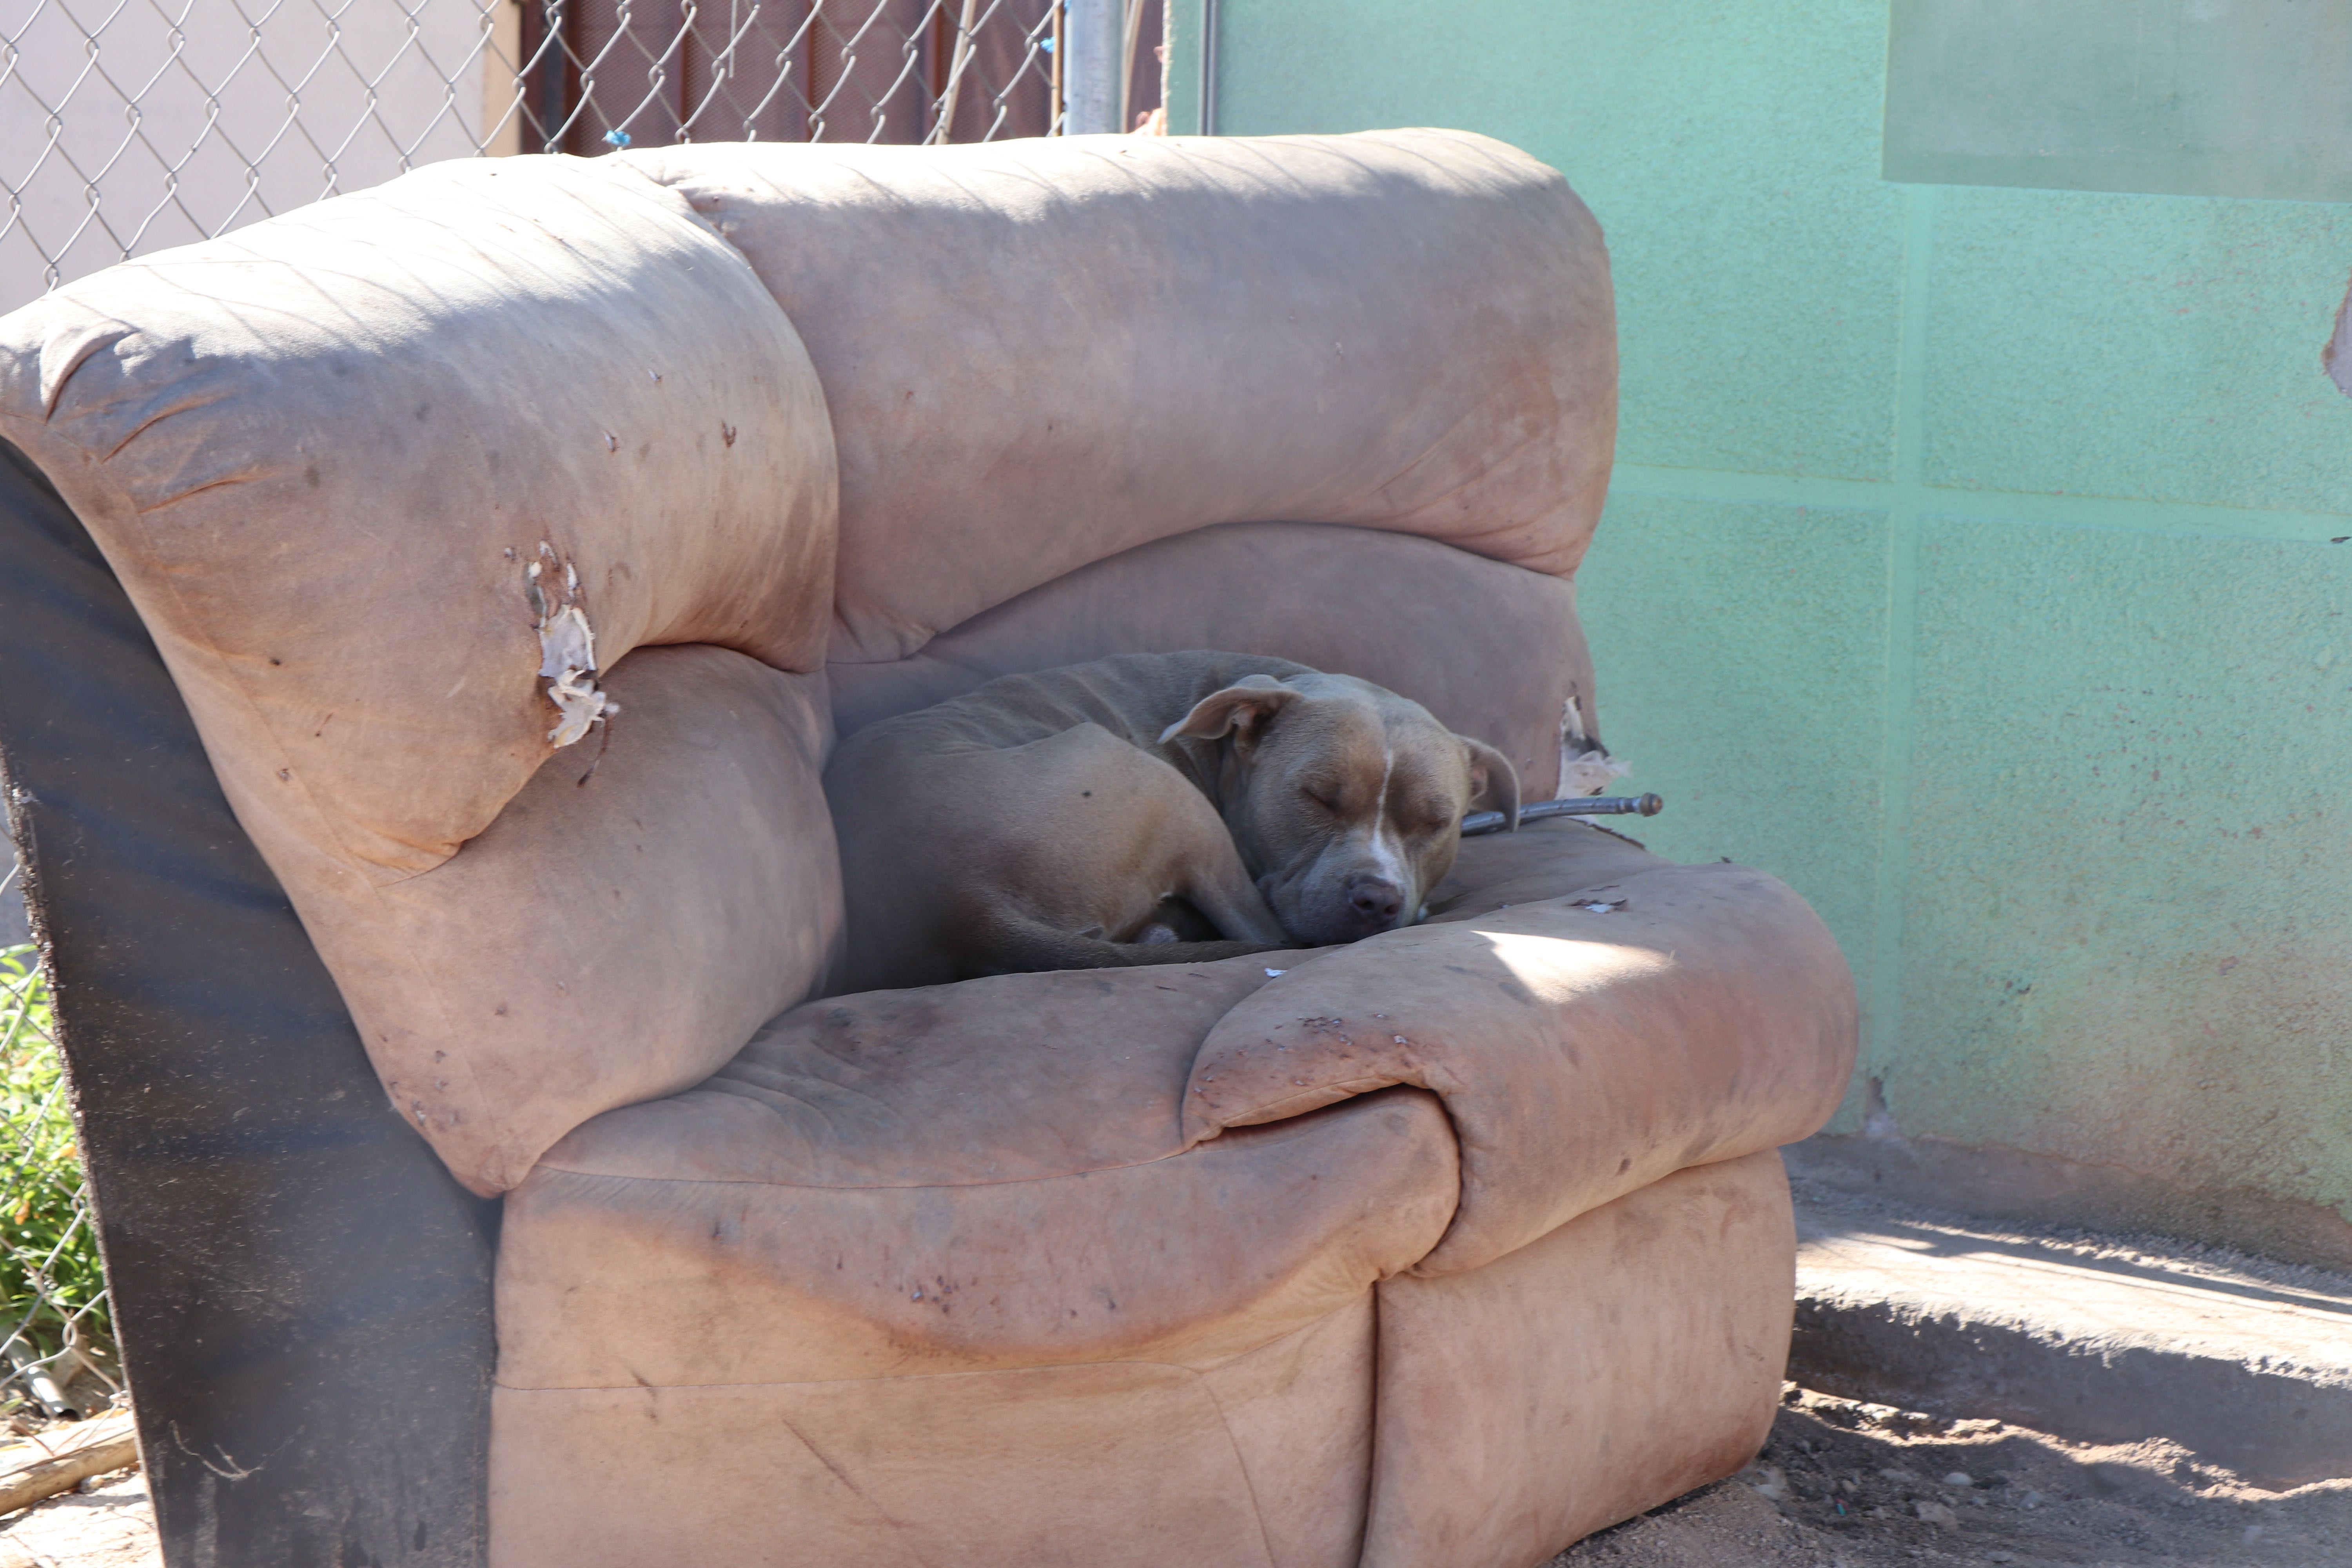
point(1968, 563)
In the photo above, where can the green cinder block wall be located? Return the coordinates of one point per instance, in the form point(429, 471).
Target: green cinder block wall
point(1974, 562)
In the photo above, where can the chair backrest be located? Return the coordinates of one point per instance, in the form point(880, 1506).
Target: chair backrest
point(1041, 354)
point(377, 473)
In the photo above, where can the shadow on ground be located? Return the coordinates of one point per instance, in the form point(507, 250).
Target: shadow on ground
point(1846, 1485)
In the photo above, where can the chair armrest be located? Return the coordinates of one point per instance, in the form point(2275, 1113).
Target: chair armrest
point(1585, 1045)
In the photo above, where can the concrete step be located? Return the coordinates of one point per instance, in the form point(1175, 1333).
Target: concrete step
point(2095, 1339)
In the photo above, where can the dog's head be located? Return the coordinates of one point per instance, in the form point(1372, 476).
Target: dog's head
point(1346, 800)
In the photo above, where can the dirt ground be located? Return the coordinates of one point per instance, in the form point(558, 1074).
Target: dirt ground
point(107, 1526)
point(1842, 1484)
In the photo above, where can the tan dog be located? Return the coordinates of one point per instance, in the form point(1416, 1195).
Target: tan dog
point(1151, 809)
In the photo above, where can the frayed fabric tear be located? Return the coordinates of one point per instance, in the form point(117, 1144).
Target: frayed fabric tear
point(566, 645)
point(567, 655)
point(1584, 768)
point(581, 705)
point(1591, 773)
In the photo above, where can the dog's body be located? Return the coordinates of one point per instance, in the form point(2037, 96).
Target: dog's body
point(1150, 808)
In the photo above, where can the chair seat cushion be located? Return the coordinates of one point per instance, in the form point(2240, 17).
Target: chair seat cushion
point(1086, 1165)
point(990, 1174)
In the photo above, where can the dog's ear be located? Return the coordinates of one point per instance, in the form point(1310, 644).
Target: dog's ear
point(1243, 708)
point(1494, 782)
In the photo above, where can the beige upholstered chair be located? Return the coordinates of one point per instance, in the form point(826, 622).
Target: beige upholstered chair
point(1441, 1249)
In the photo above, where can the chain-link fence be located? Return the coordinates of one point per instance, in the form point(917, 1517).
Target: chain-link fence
point(129, 125)
point(55, 1332)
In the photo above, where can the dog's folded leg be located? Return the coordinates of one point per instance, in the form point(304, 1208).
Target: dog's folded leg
point(1213, 879)
point(1018, 944)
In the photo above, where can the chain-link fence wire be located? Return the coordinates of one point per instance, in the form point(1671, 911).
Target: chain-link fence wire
point(56, 1342)
point(129, 125)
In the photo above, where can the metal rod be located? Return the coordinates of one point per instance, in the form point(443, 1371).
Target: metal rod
point(1090, 32)
point(39, 1380)
point(1208, 67)
point(944, 132)
point(1129, 34)
point(1479, 822)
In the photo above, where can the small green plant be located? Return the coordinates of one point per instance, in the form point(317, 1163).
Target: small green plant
point(51, 1291)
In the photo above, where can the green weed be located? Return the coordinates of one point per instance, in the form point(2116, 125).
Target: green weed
point(50, 1285)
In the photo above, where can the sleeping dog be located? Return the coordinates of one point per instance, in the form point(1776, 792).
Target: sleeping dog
point(1150, 808)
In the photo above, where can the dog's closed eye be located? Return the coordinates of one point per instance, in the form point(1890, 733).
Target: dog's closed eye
point(1427, 817)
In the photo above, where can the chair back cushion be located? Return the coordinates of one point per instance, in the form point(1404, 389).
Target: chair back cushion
point(1040, 354)
point(1494, 651)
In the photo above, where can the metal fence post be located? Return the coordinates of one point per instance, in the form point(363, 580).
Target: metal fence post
point(1208, 67)
point(1090, 77)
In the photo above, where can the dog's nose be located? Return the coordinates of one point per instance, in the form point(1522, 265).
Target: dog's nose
point(1376, 900)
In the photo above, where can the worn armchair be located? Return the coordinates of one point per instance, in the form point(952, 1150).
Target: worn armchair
point(426, 619)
